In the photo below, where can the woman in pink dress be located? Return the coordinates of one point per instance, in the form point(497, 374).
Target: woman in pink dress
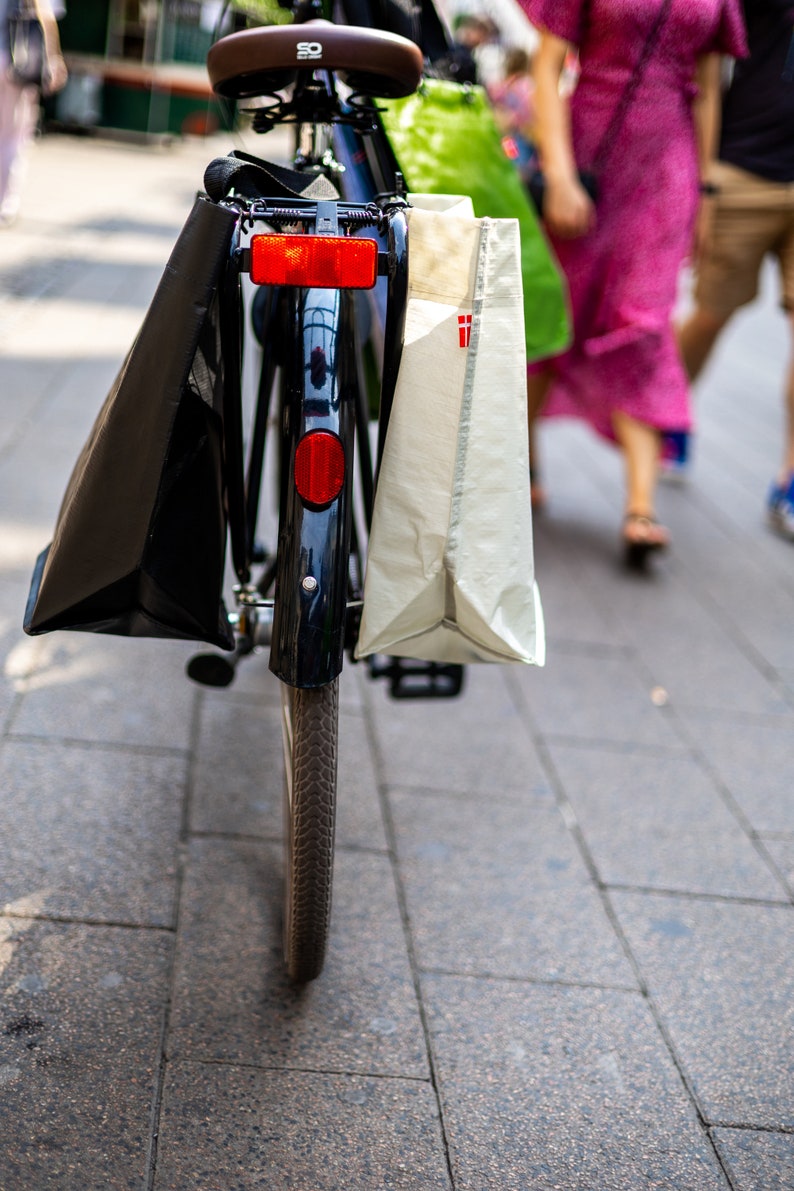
point(622, 254)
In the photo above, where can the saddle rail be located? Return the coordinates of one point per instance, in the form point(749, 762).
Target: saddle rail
point(261, 61)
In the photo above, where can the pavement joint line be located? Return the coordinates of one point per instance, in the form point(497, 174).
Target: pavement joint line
point(182, 860)
point(568, 813)
point(255, 837)
point(688, 1084)
point(156, 1106)
point(16, 704)
point(502, 797)
point(699, 895)
point(620, 747)
point(535, 981)
point(750, 542)
point(729, 800)
point(247, 1065)
point(735, 633)
point(109, 746)
point(234, 837)
point(569, 648)
point(750, 1127)
point(759, 719)
point(72, 920)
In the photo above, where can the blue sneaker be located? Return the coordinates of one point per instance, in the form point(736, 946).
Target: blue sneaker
point(674, 458)
point(780, 509)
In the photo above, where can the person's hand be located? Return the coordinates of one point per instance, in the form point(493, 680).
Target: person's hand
point(57, 74)
point(568, 209)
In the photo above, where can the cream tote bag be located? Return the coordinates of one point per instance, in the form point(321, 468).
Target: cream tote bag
point(450, 575)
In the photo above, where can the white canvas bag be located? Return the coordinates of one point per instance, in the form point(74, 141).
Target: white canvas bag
point(450, 574)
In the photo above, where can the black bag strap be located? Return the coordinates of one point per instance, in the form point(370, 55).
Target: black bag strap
point(262, 179)
point(630, 90)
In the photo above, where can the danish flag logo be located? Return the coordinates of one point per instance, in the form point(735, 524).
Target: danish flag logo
point(464, 329)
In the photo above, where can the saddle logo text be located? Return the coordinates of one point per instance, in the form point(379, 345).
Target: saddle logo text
point(464, 329)
point(309, 49)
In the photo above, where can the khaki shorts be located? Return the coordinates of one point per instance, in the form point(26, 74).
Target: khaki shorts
point(752, 218)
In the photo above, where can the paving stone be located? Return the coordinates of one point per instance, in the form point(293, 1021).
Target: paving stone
point(233, 1002)
point(596, 695)
point(571, 618)
point(108, 690)
point(82, 1009)
point(755, 760)
point(757, 1161)
point(500, 888)
point(238, 775)
point(237, 783)
point(241, 1129)
point(695, 658)
point(719, 973)
point(732, 579)
point(90, 834)
point(685, 641)
point(556, 1087)
point(660, 822)
point(475, 742)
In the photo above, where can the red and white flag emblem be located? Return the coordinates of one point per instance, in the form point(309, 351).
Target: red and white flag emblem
point(464, 329)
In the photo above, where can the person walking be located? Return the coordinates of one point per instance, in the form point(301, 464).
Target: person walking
point(640, 113)
point(19, 104)
point(748, 212)
point(513, 103)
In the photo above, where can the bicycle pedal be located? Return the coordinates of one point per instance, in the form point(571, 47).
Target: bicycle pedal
point(211, 669)
point(413, 679)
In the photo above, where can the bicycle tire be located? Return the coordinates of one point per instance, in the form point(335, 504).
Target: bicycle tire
point(310, 726)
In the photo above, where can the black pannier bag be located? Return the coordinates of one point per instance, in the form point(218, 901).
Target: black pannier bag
point(140, 540)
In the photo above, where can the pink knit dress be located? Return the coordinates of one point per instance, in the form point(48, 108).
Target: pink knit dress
point(623, 275)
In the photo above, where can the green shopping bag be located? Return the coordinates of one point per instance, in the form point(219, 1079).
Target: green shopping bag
point(446, 142)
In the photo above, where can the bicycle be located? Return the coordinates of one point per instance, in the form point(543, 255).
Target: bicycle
point(312, 254)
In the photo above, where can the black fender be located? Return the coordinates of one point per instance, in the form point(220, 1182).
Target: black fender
point(311, 590)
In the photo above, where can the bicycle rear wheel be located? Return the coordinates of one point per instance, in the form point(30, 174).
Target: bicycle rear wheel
point(310, 722)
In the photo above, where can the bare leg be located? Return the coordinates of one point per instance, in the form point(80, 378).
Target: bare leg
point(697, 337)
point(640, 445)
point(18, 112)
point(537, 388)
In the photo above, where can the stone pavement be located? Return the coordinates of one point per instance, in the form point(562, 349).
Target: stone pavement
point(563, 921)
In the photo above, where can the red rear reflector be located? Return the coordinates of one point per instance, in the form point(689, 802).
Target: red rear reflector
point(319, 467)
point(323, 262)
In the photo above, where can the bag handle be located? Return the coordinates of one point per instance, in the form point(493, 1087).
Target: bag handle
point(630, 90)
point(261, 179)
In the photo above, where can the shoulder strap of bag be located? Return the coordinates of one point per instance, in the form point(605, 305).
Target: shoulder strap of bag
point(622, 110)
point(262, 179)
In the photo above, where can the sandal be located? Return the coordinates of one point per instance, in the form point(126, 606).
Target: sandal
point(642, 536)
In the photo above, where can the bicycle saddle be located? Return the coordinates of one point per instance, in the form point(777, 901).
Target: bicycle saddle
point(263, 60)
